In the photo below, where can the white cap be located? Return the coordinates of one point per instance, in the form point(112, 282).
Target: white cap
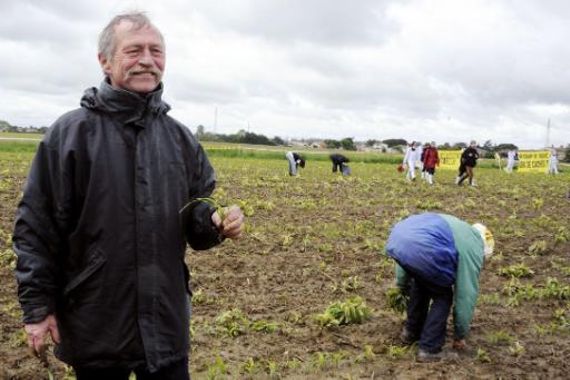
point(488, 240)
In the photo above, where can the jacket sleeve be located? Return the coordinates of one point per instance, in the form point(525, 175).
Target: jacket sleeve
point(466, 290)
point(36, 240)
point(200, 231)
point(402, 279)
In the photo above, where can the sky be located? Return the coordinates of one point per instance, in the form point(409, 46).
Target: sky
point(423, 70)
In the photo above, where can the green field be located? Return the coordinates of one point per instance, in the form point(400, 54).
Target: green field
point(226, 150)
point(318, 239)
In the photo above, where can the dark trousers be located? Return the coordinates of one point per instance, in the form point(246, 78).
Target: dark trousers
point(175, 371)
point(467, 174)
point(462, 170)
point(429, 323)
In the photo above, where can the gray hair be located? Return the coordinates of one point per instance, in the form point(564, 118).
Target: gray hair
point(107, 43)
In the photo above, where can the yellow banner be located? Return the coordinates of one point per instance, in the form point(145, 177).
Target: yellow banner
point(449, 159)
point(533, 161)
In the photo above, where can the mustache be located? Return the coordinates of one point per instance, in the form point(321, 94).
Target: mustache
point(156, 73)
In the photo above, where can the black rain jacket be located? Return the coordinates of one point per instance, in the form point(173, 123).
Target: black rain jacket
point(469, 157)
point(338, 159)
point(98, 234)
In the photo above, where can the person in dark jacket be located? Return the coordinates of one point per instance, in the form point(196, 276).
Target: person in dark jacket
point(422, 157)
point(100, 236)
point(295, 160)
point(469, 159)
point(438, 261)
point(339, 162)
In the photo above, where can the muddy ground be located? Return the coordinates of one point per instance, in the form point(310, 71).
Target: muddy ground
point(317, 239)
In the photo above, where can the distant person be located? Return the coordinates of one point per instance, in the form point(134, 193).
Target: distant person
point(461, 170)
point(410, 157)
point(295, 160)
point(419, 159)
point(439, 258)
point(511, 159)
point(430, 161)
point(553, 161)
point(422, 155)
point(469, 159)
point(340, 163)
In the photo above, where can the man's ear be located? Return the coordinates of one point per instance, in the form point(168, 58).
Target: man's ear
point(105, 63)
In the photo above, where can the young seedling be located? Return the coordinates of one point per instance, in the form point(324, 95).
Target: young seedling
point(220, 209)
point(500, 337)
point(233, 322)
point(516, 349)
point(273, 369)
point(517, 270)
point(562, 235)
point(396, 352)
point(397, 300)
point(218, 369)
point(320, 360)
point(250, 367)
point(482, 356)
point(265, 326)
point(352, 311)
point(539, 247)
point(369, 352)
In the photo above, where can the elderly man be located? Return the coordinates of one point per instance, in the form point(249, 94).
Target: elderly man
point(99, 235)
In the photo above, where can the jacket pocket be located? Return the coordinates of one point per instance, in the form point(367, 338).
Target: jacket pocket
point(96, 260)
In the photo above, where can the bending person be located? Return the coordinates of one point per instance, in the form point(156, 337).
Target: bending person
point(439, 258)
point(295, 160)
point(339, 163)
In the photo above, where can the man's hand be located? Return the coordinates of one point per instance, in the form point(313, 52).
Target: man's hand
point(459, 344)
point(232, 226)
point(37, 334)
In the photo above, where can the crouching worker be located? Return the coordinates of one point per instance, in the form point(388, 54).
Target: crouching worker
point(295, 160)
point(340, 162)
point(439, 258)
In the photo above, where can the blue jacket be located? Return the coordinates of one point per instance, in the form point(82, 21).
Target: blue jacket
point(443, 250)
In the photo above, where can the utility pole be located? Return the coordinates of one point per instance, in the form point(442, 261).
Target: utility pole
point(548, 133)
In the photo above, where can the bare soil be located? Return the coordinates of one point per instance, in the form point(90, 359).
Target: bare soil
point(309, 238)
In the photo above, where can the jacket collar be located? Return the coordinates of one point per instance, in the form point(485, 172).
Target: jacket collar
point(126, 106)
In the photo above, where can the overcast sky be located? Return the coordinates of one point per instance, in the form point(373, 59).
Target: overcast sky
point(443, 70)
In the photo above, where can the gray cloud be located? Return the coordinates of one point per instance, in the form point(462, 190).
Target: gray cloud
point(417, 69)
point(318, 21)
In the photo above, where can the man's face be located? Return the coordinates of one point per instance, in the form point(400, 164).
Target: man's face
point(137, 63)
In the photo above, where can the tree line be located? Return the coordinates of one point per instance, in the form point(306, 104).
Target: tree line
point(245, 137)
